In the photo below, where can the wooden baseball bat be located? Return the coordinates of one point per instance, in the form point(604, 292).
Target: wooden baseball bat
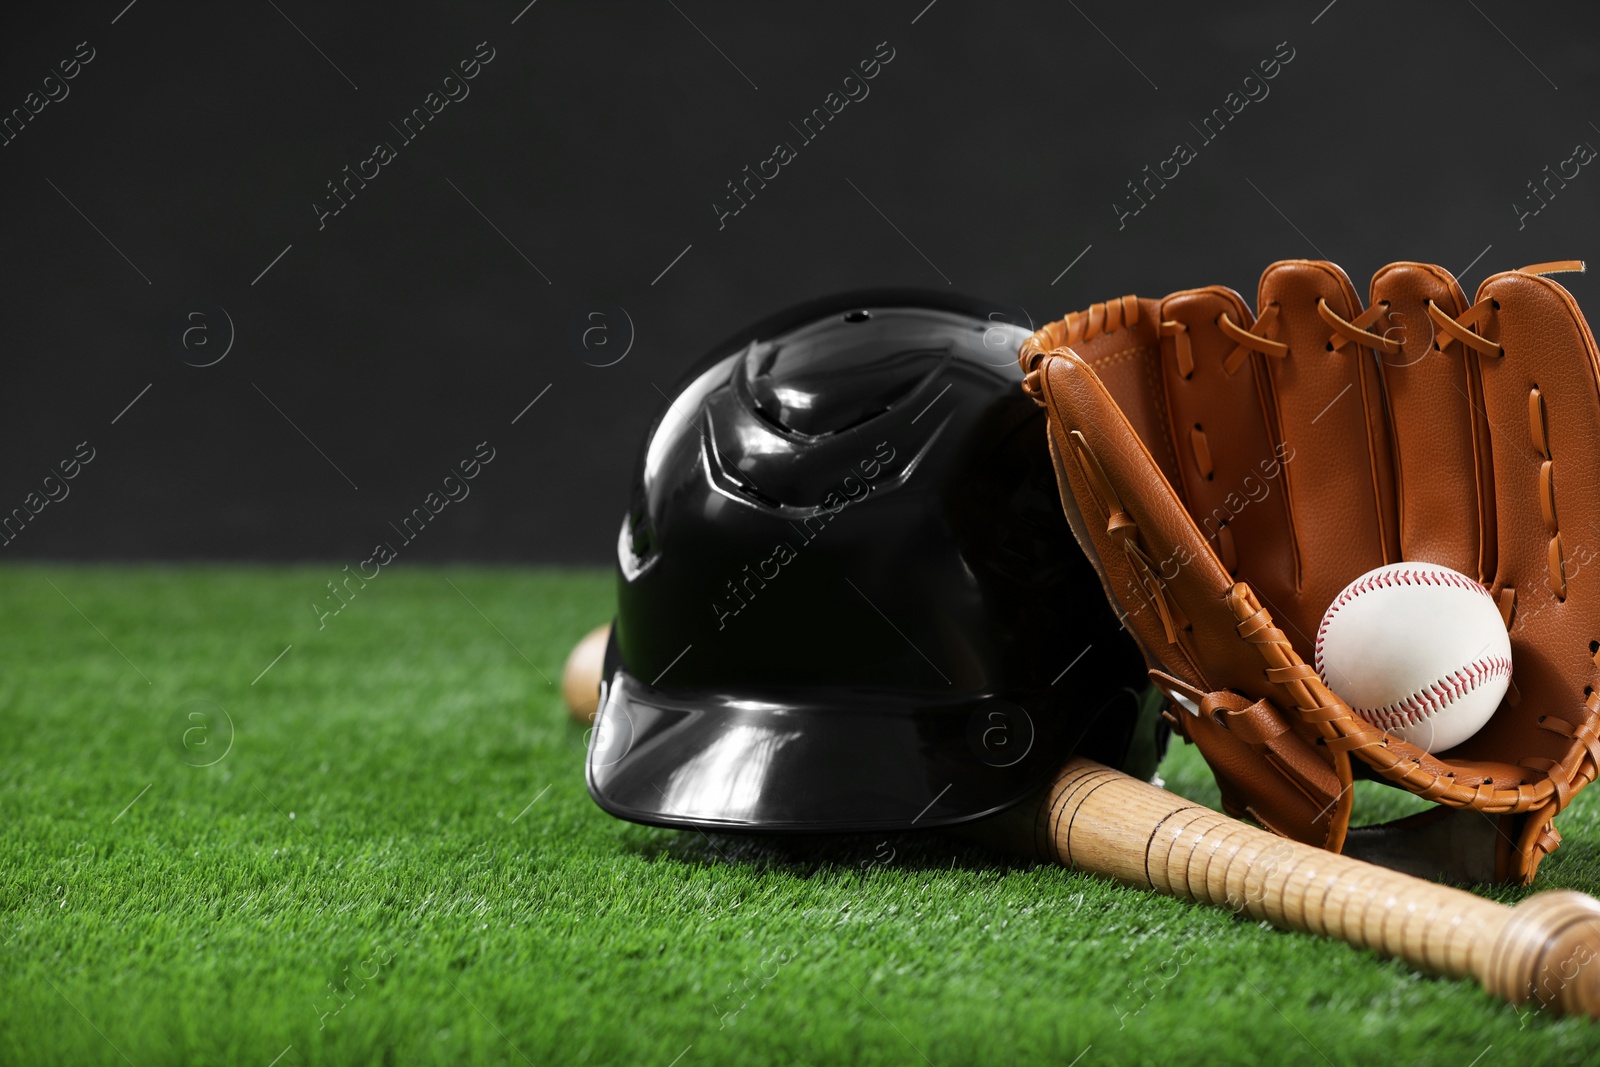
point(1100, 820)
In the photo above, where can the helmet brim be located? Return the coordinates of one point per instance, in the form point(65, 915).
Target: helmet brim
point(836, 762)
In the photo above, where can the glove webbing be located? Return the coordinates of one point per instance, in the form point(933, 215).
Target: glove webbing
point(1344, 732)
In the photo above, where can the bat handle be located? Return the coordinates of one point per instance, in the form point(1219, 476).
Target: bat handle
point(1107, 822)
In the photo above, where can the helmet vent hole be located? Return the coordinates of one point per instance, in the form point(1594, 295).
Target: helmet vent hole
point(858, 316)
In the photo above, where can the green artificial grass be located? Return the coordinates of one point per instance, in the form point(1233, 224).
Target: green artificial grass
point(396, 862)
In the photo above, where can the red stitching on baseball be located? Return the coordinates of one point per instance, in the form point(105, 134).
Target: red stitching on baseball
point(1388, 580)
point(1431, 699)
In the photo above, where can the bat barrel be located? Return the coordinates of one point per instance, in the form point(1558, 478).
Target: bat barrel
point(1106, 822)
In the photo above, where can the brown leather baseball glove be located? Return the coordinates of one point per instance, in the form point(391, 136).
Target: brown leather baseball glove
point(1231, 472)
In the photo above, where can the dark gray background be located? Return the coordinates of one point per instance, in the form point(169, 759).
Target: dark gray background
point(989, 153)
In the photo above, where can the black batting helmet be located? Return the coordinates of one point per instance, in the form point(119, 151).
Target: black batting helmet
point(848, 598)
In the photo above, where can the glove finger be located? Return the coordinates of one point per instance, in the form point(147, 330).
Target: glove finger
point(1327, 399)
point(1443, 476)
point(1229, 454)
point(1543, 403)
point(1139, 532)
point(1199, 413)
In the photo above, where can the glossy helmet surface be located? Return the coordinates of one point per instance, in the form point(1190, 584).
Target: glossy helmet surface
point(848, 598)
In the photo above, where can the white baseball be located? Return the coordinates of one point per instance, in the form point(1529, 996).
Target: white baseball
point(1418, 650)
